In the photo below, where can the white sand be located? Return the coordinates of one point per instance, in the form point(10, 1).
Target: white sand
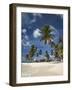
point(41, 69)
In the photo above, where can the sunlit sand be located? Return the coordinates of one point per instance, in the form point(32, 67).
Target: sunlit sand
point(41, 69)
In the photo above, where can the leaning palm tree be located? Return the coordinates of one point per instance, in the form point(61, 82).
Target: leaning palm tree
point(46, 34)
point(32, 52)
point(57, 48)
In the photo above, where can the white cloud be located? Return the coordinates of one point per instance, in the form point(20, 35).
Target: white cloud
point(34, 17)
point(26, 43)
point(26, 37)
point(24, 31)
point(36, 33)
point(37, 14)
point(33, 20)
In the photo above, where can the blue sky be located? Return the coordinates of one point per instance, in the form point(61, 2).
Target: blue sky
point(31, 24)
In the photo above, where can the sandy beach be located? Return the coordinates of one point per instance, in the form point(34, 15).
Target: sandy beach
point(41, 69)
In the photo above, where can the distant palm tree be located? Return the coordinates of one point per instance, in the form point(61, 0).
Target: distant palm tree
point(40, 52)
point(46, 34)
point(37, 54)
point(58, 48)
point(52, 52)
point(47, 56)
point(27, 56)
point(52, 43)
point(61, 48)
point(32, 52)
point(52, 46)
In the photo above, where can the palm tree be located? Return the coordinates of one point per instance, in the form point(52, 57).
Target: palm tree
point(61, 48)
point(47, 55)
point(58, 48)
point(52, 52)
point(37, 54)
point(27, 56)
point(32, 52)
point(40, 52)
point(52, 47)
point(46, 34)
